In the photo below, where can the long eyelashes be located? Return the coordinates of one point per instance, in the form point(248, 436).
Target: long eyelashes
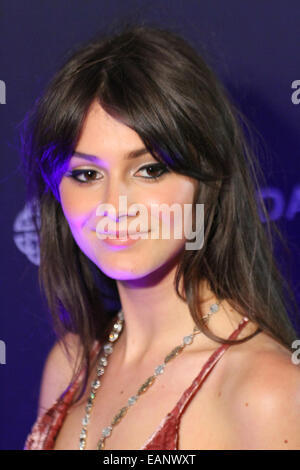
point(76, 173)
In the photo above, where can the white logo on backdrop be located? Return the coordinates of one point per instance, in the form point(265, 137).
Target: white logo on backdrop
point(281, 206)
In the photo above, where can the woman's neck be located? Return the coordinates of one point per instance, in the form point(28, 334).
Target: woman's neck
point(156, 320)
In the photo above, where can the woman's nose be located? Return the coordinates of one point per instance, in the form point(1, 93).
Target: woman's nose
point(116, 202)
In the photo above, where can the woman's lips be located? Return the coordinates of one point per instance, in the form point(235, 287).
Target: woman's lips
point(119, 234)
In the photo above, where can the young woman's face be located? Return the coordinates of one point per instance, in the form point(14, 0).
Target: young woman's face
point(106, 177)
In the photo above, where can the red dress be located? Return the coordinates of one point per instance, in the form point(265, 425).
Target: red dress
point(165, 437)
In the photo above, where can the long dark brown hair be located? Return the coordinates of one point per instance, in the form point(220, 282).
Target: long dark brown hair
point(161, 87)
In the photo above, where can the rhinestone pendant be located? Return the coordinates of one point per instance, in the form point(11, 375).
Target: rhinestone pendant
point(188, 339)
point(118, 327)
point(88, 407)
point(81, 444)
point(96, 384)
point(108, 348)
point(113, 336)
point(106, 431)
point(214, 308)
point(132, 400)
point(103, 361)
point(159, 369)
point(85, 420)
point(121, 315)
point(100, 371)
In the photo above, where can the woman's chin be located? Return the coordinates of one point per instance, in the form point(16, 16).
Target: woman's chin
point(123, 273)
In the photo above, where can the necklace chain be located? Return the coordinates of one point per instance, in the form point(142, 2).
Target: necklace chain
point(106, 351)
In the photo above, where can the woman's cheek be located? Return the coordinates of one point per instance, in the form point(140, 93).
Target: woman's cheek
point(74, 203)
point(175, 207)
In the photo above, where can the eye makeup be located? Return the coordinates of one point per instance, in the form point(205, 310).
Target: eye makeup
point(77, 173)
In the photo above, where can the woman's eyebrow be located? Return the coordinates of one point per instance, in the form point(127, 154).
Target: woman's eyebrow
point(128, 156)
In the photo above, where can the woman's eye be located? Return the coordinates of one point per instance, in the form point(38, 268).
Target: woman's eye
point(83, 176)
point(87, 176)
point(154, 168)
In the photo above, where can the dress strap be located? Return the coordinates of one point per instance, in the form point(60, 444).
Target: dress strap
point(205, 371)
point(166, 435)
point(46, 427)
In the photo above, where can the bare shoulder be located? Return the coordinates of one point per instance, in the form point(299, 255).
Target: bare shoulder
point(58, 371)
point(263, 396)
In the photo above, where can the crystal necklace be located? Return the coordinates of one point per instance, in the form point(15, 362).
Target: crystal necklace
point(105, 351)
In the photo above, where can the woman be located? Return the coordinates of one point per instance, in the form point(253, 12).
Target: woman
point(139, 114)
